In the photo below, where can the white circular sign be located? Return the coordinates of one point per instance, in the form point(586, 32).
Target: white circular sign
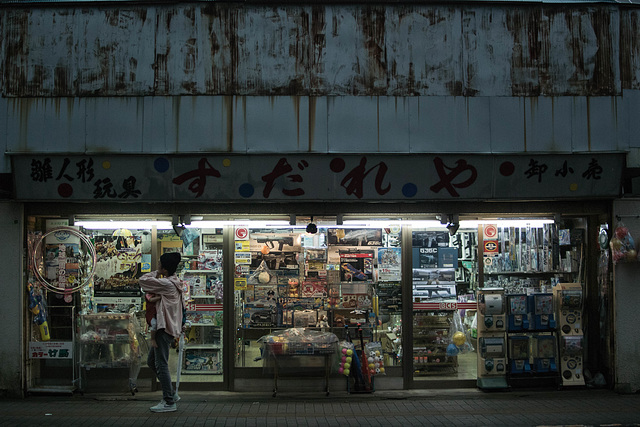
point(242, 233)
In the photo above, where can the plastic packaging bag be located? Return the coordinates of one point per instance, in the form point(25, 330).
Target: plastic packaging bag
point(459, 337)
point(375, 358)
point(623, 247)
point(474, 326)
point(262, 276)
point(346, 349)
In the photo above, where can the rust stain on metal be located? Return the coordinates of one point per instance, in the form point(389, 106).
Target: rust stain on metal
point(312, 121)
point(228, 108)
point(588, 123)
point(296, 112)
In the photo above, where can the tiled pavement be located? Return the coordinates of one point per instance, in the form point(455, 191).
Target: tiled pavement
point(464, 407)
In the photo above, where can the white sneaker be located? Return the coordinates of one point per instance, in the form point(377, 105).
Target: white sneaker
point(163, 407)
point(176, 397)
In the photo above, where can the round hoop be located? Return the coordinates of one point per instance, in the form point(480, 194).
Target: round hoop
point(44, 281)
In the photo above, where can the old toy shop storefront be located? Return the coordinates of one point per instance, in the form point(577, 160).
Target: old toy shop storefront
point(401, 249)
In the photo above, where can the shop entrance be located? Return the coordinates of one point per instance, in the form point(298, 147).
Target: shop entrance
point(402, 294)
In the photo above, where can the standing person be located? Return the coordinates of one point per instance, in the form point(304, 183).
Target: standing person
point(165, 283)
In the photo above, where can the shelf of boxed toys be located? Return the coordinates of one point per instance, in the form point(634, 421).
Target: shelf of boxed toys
point(203, 348)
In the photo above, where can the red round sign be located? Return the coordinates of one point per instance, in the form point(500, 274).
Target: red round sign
point(241, 233)
point(490, 231)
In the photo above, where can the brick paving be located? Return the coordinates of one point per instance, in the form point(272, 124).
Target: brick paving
point(464, 407)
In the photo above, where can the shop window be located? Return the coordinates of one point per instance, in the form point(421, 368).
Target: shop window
point(336, 279)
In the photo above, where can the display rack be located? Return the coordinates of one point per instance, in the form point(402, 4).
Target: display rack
point(526, 336)
point(299, 352)
point(430, 340)
point(54, 363)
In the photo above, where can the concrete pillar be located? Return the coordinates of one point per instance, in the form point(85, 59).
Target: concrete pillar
point(12, 300)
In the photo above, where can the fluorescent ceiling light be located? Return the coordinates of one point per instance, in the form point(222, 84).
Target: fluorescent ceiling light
point(373, 223)
point(534, 222)
point(115, 225)
point(247, 223)
point(464, 224)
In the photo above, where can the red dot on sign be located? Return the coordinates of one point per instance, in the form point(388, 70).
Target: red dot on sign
point(507, 169)
point(337, 165)
point(65, 190)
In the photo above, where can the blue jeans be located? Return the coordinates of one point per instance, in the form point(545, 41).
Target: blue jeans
point(158, 361)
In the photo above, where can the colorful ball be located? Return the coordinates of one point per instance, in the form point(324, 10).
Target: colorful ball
point(344, 351)
point(382, 369)
point(452, 350)
point(346, 372)
point(371, 366)
point(348, 359)
point(459, 338)
point(349, 352)
point(347, 365)
point(344, 358)
point(341, 370)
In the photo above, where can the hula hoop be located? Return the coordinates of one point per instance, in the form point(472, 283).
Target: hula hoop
point(43, 280)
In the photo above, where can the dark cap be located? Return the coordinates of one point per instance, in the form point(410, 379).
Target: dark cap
point(170, 261)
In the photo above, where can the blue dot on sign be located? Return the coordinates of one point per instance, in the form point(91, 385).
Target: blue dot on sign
point(246, 190)
point(409, 190)
point(161, 164)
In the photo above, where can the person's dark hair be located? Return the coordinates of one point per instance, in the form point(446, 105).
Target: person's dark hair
point(170, 262)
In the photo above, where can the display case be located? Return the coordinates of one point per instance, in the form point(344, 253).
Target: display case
point(430, 341)
point(106, 340)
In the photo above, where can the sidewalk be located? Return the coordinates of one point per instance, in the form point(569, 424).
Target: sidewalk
point(464, 407)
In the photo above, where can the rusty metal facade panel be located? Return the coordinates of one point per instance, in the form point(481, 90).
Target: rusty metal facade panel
point(486, 52)
point(630, 49)
point(583, 52)
point(322, 50)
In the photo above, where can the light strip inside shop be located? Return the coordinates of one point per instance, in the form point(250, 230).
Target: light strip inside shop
point(167, 225)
